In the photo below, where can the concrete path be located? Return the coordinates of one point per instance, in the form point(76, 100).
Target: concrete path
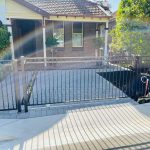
point(120, 126)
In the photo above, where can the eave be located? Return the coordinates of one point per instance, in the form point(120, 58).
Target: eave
point(76, 15)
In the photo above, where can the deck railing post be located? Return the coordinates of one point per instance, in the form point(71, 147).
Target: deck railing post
point(44, 41)
point(9, 24)
point(16, 85)
point(25, 96)
point(106, 53)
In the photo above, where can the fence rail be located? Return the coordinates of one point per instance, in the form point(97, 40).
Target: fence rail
point(72, 79)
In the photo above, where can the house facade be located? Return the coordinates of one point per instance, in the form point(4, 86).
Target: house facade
point(75, 23)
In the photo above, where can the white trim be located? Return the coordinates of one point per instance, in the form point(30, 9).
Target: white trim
point(44, 42)
point(11, 39)
point(104, 10)
point(106, 42)
point(77, 33)
point(79, 19)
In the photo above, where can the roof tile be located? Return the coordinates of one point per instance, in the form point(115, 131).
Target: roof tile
point(69, 7)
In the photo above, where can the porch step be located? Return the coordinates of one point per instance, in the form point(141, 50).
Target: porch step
point(61, 108)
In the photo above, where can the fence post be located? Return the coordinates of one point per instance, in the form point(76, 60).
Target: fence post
point(25, 96)
point(16, 85)
point(138, 61)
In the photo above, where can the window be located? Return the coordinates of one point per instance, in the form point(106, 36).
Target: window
point(77, 34)
point(58, 33)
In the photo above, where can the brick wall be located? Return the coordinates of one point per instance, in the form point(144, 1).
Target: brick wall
point(88, 46)
point(89, 32)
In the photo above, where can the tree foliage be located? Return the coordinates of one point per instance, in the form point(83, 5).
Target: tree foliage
point(132, 32)
point(134, 8)
point(4, 38)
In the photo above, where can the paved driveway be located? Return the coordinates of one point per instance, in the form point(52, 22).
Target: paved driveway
point(120, 126)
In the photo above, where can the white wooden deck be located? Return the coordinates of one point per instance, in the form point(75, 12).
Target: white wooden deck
point(120, 126)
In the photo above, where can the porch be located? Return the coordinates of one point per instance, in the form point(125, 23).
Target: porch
point(76, 28)
point(75, 38)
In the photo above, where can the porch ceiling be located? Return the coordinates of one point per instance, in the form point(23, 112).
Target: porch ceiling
point(78, 19)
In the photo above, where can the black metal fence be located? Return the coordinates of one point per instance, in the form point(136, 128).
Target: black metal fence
point(66, 80)
point(69, 80)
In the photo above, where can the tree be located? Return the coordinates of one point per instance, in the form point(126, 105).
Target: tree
point(4, 42)
point(4, 38)
point(132, 27)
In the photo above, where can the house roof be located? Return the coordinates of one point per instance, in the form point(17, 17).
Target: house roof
point(65, 7)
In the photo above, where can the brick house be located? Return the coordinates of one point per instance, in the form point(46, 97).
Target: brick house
point(75, 23)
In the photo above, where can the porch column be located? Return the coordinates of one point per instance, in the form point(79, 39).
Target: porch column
point(9, 24)
point(44, 42)
point(106, 41)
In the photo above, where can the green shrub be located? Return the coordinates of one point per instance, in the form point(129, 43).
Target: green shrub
point(4, 38)
point(51, 41)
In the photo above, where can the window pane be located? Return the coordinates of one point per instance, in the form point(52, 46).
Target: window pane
point(59, 33)
point(77, 27)
point(77, 40)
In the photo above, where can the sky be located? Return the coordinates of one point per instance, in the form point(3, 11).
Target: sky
point(2, 11)
point(114, 4)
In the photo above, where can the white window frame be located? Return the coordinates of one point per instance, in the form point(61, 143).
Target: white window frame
point(63, 33)
point(77, 33)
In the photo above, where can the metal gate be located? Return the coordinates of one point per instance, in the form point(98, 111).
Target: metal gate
point(70, 80)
